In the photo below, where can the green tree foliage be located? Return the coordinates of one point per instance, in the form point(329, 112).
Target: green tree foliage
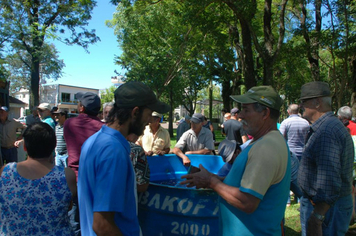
point(238, 44)
point(19, 67)
point(108, 95)
point(31, 22)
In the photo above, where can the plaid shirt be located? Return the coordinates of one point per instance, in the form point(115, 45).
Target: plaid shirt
point(325, 171)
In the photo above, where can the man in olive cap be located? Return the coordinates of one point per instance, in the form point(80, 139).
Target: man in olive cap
point(325, 171)
point(106, 182)
point(253, 195)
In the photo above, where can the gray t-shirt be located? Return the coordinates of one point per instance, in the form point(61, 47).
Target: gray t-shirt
point(190, 142)
point(234, 130)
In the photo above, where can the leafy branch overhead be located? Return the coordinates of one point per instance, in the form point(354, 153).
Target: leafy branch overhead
point(31, 24)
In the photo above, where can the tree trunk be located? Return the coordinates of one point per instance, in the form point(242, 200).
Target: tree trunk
point(225, 93)
point(211, 99)
point(35, 84)
point(269, 41)
point(170, 119)
point(313, 41)
point(249, 72)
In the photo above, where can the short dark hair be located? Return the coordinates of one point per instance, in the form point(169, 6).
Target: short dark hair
point(274, 114)
point(121, 114)
point(39, 140)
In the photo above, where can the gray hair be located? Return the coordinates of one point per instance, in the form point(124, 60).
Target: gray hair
point(345, 112)
point(293, 108)
point(110, 104)
point(274, 114)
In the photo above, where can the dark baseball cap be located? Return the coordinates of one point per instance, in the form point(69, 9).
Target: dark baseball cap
point(234, 111)
point(135, 94)
point(197, 118)
point(90, 101)
point(265, 95)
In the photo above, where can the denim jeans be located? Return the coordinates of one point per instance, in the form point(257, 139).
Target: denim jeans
point(9, 154)
point(337, 218)
point(74, 217)
point(62, 160)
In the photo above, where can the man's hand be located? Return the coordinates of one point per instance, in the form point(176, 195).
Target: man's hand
point(161, 152)
point(186, 161)
point(200, 179)
point(149, 153)
point(18, 143)
point(314, 227)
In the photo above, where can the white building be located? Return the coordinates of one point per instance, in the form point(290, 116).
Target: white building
point(59, 95)
point(63, 96)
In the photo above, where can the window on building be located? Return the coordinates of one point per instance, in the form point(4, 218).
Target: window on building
point(65, 97)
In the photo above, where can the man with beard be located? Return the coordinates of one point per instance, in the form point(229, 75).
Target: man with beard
point(106, 182)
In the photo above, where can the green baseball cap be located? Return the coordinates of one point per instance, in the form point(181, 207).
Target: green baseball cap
point(265, 95)
point(134, 94)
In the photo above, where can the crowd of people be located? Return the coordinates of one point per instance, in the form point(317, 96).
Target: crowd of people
point(82, 174)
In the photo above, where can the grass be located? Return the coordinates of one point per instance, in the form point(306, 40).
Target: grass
point(292, 221)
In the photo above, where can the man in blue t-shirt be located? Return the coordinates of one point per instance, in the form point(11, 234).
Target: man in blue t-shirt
point(252, 197)
point(106, 178)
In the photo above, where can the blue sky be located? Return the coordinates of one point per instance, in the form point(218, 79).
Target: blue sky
point(93, 70)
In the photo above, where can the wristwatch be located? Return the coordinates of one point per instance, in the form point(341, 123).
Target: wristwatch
point(318, 216)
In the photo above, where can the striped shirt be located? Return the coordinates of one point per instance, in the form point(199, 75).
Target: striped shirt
point(294, 130)
point(325, 170)
point(61, 148)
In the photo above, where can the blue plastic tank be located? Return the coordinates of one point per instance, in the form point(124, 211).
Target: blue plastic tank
point(168, 208)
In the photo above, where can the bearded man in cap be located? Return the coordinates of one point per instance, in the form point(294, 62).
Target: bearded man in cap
point(196, 140)
point(106, 183)
point(155, 139)
point(253, 195)
point(325, 171)
point(75, 131)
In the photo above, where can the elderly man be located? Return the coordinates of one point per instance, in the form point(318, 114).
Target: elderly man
point(233, 128)
point(44, 111)
point(294, 129)
point(196, 140)
point(345, 115)
point(8, 128)
point(106, 184)
point(155, 139)
point(252, 197)
point(325, 171)
point(76, 130)
point(106, 109)
point(32, 118)
point(183, 127)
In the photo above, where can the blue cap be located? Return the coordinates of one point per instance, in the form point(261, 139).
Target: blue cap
point(4, 108)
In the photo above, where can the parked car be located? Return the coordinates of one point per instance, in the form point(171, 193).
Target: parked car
point(71, 115)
